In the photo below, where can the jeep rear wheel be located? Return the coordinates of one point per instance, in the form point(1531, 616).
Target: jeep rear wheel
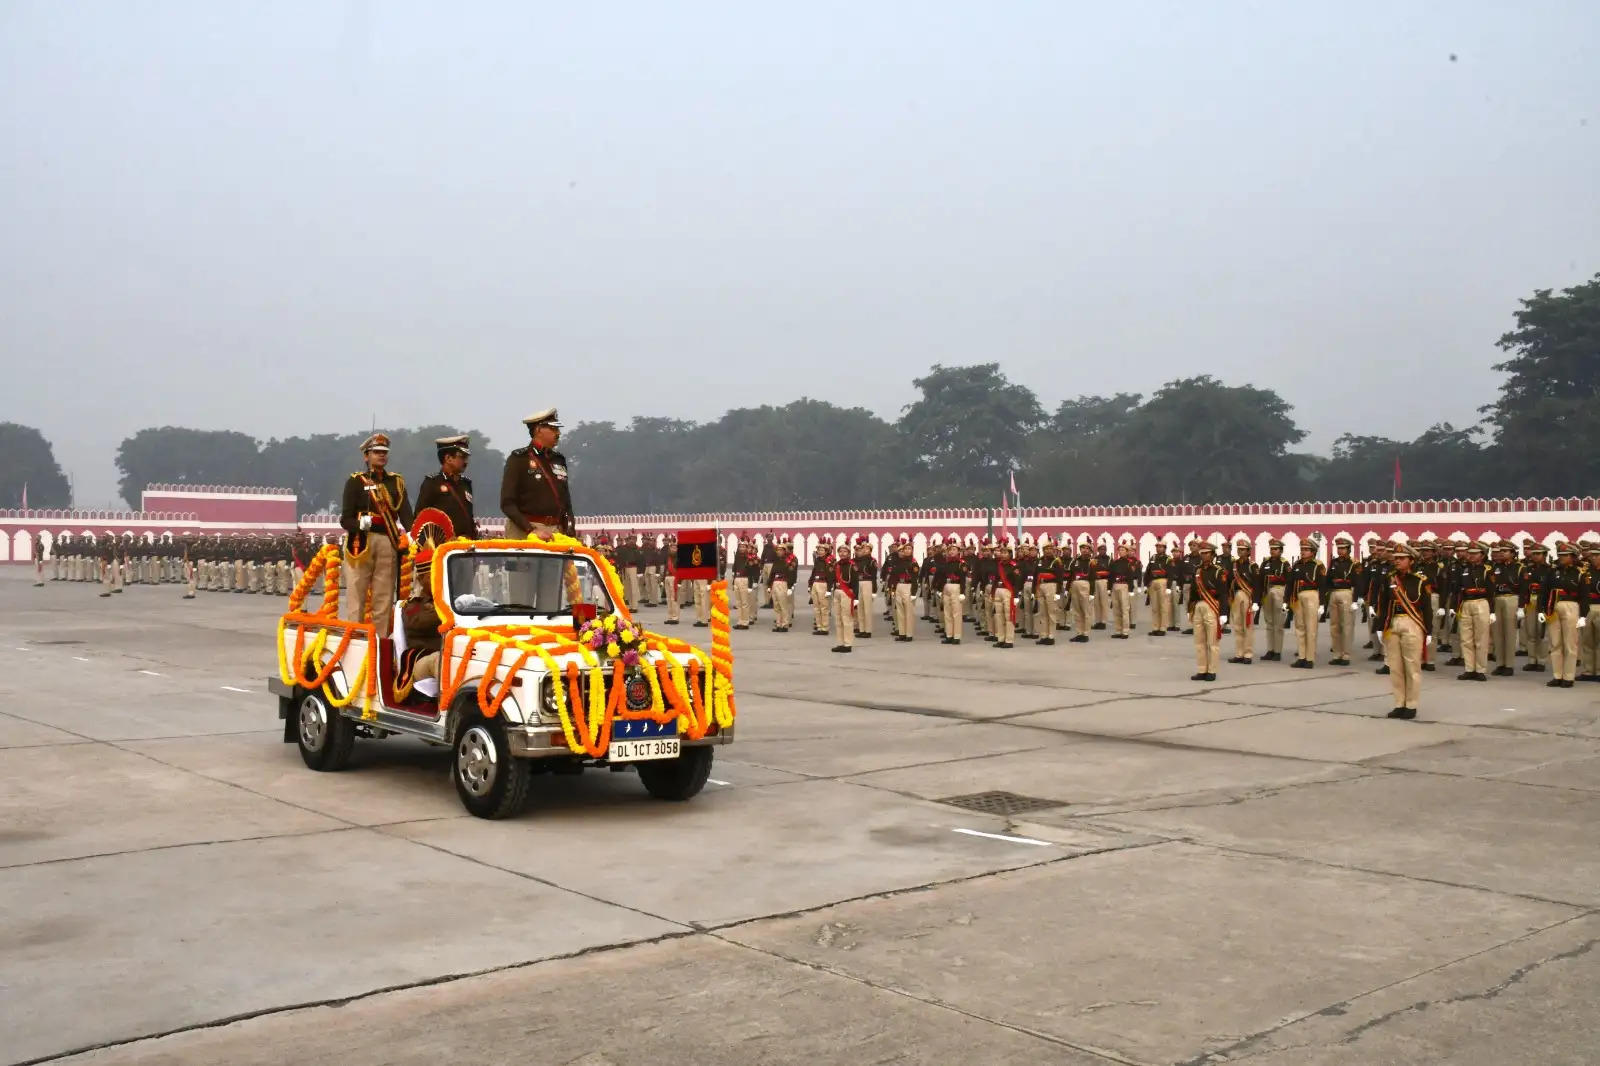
point(490, 781)
point(326, 737)
point(677, 779)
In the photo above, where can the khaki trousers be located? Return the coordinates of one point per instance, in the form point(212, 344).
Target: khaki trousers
point(1305, 623)
point(782, 604)
point(1121, 607)
point(425, 667)
point(864, 601)
point(741, 598)
point(1533, 637)
point(1441, 622)
point(673, 606)
point(1474, 623)
point(1562, 628)
point(1341, 623)
point(374, 570)
point(1005, 626)
point(1206, 638)
point(1402, 653)
point(1272, 618)
point(1102, 600)
point(1080, 606)
point(652, 586)
point(1045, 604)
point(905, 617)
point(844, 617)
point(630, 588)
point(1160, 605)
point(194, 579)
point(1028, 611)
point(1244, 634)
point(821, 607)
point(1175, 592)
point(950, 601)
point(702, 601)
point(1505, 630)
point(1589, 644)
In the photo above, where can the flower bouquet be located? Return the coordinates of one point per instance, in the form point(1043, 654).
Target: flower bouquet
point(613, 638)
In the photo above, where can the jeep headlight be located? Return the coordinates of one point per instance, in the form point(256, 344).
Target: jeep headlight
point(547, 697)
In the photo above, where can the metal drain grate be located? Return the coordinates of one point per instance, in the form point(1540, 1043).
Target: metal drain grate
point(1001, 802)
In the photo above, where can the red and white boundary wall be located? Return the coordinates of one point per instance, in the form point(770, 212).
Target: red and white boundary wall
point(213, 509)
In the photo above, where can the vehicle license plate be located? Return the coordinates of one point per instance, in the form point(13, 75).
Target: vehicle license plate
point(640, 750)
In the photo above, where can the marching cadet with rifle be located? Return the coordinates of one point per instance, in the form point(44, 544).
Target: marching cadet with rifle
point(1530, 594)
point(1157, 577)
point(450, 490)
point(1208, 591)
point(1474, 587)
point(1505, 583)
point(1244, 583)
point(1401, 609)
point(376, 515)
point(1344, 575)
point(1273, 576)
point(1124, 575)
point(1565, 609)
point(1307, 582)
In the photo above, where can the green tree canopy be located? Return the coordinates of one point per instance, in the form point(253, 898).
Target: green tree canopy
point(968, 430)
point(192, 456)
point(30, 461)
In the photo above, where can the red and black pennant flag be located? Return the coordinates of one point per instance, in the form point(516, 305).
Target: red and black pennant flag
point(697, 555)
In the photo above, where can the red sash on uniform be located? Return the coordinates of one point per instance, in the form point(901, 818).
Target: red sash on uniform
point(1200, 588)
point(1410, 609)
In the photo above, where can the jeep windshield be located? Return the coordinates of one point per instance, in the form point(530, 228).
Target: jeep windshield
point(483, 584)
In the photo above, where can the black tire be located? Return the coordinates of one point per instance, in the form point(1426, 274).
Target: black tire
point(325, 737)
point(489, 780)
point(677, 779)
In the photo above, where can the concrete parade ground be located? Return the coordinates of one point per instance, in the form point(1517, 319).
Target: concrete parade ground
point(1264, 869)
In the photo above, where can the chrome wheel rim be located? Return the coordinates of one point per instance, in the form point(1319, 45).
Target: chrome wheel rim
point(476, 761)
point(313, 723)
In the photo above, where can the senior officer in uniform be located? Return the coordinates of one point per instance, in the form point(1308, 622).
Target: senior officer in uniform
point(375, 515)
point(450, 490)
point(534, 494)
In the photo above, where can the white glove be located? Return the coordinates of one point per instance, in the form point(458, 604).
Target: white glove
point(1541, 618)
point(1491, 618)
point(1440, 612)
point(365, 522)
point(1582, 622)
point(1427, 640)
point(1322, 612)
point(1521, 614)
point(1360, 604)
point(1223, 619)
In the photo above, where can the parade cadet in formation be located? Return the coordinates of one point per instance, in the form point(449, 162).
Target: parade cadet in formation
point(746, 571)
point(1027, 566)
point(1589, 635)
point(952, 578)
point(1431, 567)
point(841, 596)
point(1208, 591)
point(1505, 584)
point(628, 553)
point(1102, 587)
point(769, 557)
point(535, 494)
point(821, 590)
point(1402, 611)
point(1344, 575)
point(1564, 611)
point(1157, 581)
point(979, 581)
point(1003, 601)
point(1375, 577)
point(450, 490)
point(1274, 576)
point(865, 571)
point(1306, 583)
point(1536, 572)
point(1124, 575)
point(899, 576)
point(1177, 585)
point(1080, 583)
point(1474, 588)
point(1046, 592)
point(1244, 583)
point(375, 514)
point(926, 579)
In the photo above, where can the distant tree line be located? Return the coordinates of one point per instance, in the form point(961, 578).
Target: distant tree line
point(1193, 439)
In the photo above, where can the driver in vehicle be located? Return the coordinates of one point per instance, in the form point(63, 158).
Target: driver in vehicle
point(420, 620)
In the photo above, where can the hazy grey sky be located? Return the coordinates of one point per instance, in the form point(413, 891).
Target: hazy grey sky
point(285, 217)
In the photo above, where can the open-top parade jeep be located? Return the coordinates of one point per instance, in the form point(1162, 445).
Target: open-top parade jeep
point(542, 668)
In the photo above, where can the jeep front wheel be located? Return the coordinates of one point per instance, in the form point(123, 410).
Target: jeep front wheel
point(490, 781)
point(677, 779)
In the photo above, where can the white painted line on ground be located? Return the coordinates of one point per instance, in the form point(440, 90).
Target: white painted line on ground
point(80, 658)
point(714, 781)
point(1002, 836)
point(152, 673)
point(230, 688)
